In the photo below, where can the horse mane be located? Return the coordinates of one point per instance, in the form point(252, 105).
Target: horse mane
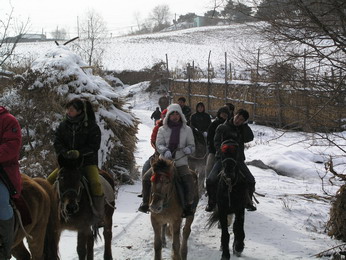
point(162, 165)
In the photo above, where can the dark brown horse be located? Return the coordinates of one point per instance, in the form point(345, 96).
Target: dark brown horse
point(166, 208)
point(76, 211)
point(43, 233)
point(231, 198)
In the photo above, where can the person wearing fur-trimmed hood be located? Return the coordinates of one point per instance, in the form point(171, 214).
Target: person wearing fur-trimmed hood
point(174, 141)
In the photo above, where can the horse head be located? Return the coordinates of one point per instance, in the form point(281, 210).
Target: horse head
point(161, 184)
point(229, 153)
point(69, 184)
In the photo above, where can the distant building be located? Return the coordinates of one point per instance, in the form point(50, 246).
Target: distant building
point(27, 37)
point(199, 21)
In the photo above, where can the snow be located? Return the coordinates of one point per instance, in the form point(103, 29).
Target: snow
point(285, 226)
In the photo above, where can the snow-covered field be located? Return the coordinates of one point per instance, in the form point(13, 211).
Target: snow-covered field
point(182, 47)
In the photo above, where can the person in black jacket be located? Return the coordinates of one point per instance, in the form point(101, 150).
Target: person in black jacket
point(156, 115)
point(185, 108)
point(200, 120)
point(79, 135)
point(237, 129)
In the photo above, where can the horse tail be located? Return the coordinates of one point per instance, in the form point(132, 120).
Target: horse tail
point(214, 218)
point(52, 235)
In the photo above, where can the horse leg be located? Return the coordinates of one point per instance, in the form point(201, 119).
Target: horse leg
point(20, 252)
point(239, 234)
point(176, 240)
point(163, 235)
point(83, 238)
point(186, 234)
point(224, 236)
point(107, 233)
point(157, 227)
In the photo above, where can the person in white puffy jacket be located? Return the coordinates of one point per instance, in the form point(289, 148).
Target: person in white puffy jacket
point(174, 141)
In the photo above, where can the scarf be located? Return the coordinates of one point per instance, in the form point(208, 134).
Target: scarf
point(175, 136)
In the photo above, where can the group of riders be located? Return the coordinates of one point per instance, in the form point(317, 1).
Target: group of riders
point(173, 139)
point(78, 135)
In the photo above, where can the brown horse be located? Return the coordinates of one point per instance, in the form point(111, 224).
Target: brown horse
point(166, 208)
point(76, 211)
point(42, 234)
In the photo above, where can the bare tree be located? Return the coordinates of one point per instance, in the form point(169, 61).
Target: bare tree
point(8, 24)
point(160, 15)
point(59, 34)
point(92, 32)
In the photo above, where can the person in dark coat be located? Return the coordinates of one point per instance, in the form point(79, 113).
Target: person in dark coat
point(222, 115)
point(237, 129)
point(10, 178)
point(185, 108)
point(79, 135)
point(156, 115)
point(200, 119)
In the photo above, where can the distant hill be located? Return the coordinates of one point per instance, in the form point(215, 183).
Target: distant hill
point(181, 47)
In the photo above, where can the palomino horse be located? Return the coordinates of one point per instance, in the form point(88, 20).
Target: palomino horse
point(231, 198)
point(166, 208)
point(43, 233)
point(76, 211)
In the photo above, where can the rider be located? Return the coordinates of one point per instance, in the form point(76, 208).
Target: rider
point(185, 109)
point(159, 123)
point(174, 141)
point(237, 129)
point(200, 120)
point(79, 135)
point(10, 179)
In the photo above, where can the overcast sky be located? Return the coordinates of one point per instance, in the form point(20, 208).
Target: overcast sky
point(46, 15)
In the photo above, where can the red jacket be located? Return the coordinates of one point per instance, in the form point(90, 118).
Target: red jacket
point(154, 133)
point(10, 144)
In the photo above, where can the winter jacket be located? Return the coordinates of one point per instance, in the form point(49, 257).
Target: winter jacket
point(186, 138)
point(84, 136)
point(156, 115)
point(241, 134)
point(200, 120)
point(10, 144)
point(154, 133)
point(212, 128)
point(187, 113)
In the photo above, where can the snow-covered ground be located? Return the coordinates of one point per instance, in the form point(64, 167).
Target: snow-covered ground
point(286, 225)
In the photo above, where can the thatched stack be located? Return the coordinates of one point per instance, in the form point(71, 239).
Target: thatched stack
point(38, 98)
point(336, 224)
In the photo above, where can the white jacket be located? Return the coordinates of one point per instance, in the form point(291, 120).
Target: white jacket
point(186, 138)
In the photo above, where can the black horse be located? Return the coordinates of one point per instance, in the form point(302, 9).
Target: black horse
point(76, 211)
point(231, 198)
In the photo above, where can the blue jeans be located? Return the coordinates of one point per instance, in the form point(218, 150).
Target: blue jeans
point(6, 211)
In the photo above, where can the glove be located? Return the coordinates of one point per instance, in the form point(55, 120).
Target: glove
point(72, 154)
point(205, 134)
point(168, 155)
point(187, 150)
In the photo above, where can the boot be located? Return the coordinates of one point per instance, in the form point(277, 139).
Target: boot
point(6, 238)
point(187, 182)
point(211, 190)
point(249, 204)
point(99, 205)
point(144, 207)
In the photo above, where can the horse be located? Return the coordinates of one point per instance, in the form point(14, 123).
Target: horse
point(42, 232)
point(166, 208)
point(197, 160)
point(76, 210)
point(231, 198)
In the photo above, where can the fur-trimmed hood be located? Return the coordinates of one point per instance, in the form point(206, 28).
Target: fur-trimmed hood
point(174, 108)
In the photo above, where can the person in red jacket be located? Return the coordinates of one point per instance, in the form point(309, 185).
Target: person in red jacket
point(10, 178)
